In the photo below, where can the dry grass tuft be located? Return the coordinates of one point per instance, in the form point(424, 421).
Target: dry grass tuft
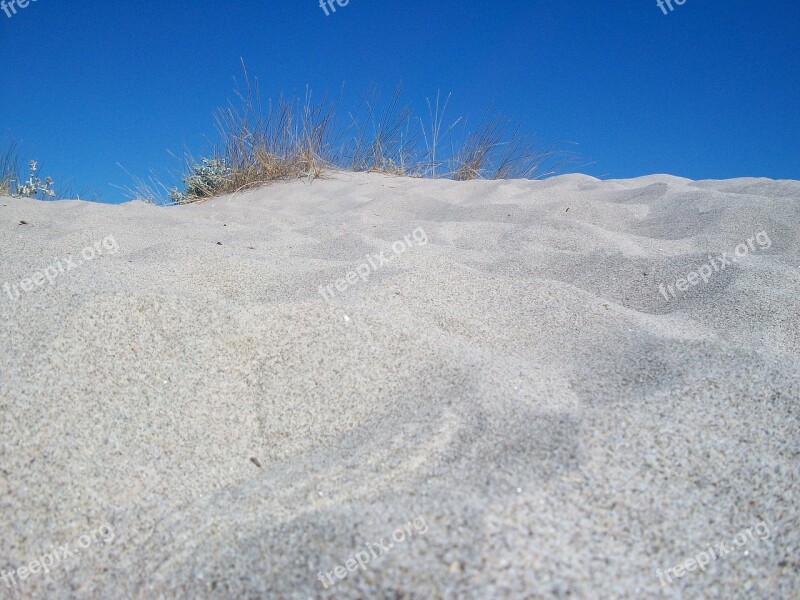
point(389, 146)
point(302, 139)
point(289, 142)
point(9, 169)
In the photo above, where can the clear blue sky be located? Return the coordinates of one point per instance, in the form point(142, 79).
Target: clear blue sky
point(710, 90)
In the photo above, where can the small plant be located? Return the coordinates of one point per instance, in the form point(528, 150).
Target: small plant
point(206, 180)
point(10, 183)
point(34, 185)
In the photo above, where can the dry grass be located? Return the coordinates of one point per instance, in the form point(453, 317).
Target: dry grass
point(386, 143)
point(302, 139)
point(500, 150)
point(475, 155)
point(9, 168)
point(288, 142)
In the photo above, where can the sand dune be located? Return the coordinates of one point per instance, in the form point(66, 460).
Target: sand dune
point(512, 386)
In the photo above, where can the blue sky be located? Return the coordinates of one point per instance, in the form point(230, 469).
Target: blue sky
point(710, 90)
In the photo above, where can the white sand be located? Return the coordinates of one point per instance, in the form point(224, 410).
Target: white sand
point(519, 383)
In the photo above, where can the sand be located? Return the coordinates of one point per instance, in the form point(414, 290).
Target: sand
point(511, 392)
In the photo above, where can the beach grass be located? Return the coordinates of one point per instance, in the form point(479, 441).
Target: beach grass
point(260, 142)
